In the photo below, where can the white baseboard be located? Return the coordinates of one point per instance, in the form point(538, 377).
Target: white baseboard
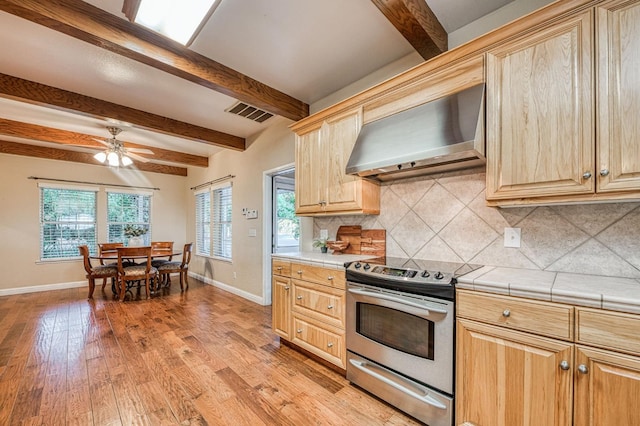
point(44, 287)
point(230, 289)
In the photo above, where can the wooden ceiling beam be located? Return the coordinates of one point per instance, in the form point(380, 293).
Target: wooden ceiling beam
point(93, 25)
point(41, 94)
point(15, 148)
point(417, 23)
point(64, 137)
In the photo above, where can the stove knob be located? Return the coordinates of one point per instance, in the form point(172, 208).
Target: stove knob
point(357, 265)
point(438, 276)
point(426, 274)
point(367, 266)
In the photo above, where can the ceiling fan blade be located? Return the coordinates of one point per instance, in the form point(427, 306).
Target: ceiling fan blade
point(137, 157)
point(140, 150)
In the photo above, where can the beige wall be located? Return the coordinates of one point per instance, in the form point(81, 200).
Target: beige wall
point(19, 217)
point(268, 150)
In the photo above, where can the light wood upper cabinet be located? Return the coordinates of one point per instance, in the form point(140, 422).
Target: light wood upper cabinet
point(540, 135)
point(322, 187)
point(618, 106)
point(507, 377)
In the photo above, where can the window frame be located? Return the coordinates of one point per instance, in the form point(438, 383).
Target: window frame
point(147, 225)
point(210, 222)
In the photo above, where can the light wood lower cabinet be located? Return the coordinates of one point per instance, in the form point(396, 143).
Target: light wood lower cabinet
point(510, 372)
point(507, 377)
point(309, 310)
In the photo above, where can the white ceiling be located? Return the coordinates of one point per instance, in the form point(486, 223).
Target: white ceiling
point(306, 49)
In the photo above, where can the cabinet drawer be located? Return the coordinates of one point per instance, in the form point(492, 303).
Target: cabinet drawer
point(318, 274)
point(319, 339)
point(280, 267)
point(547, 319)
point(614, 330)
point(321, 302)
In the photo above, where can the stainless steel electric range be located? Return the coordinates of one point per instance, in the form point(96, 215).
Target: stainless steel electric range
point(400, 334)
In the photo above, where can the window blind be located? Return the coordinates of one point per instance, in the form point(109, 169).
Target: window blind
point(67, 220)
point(222, 212)
point(203, 223)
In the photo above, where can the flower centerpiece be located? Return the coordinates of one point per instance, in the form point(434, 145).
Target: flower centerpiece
point(134, 234)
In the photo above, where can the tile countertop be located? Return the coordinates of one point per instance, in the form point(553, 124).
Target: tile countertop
point(617, 294)
point(329, 260)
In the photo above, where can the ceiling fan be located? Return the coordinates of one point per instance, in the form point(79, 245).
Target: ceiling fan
point(116, 154)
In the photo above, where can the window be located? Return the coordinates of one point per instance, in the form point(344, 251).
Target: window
point(128, 209)
point(222, 222)
point(213, 221)
point(203, 223)
point(67, 220)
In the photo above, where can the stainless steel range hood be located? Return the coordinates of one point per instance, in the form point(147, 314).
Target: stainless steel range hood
point(441, 135)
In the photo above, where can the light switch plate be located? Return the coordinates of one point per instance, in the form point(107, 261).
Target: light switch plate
point(252, 214)
point(252, 232)
point(512, 237)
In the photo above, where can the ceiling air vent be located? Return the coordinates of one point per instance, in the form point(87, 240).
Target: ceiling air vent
point(250, 112)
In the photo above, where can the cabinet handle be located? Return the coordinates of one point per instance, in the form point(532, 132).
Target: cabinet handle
point(583, 369)
point(287, 288)
point(506, 313)
point(299, 297)
point(329, 345)
point(279, 268)
point(299, 330)
point(330, 307)
point(564, 365)
point(330, 278)
point(586, 175)
point(604, 172)
point(300, 272)
point(322, 202)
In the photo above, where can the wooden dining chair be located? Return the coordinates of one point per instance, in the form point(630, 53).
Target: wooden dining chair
point(105, 249)
point(99, 271)
point(177, 267)
point(142, 271)
point(159, 247)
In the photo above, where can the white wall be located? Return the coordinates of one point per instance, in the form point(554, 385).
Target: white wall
point(19, 216)
point(268, 150)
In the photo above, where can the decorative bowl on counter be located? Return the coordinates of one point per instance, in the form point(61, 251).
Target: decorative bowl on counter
point(337, 246)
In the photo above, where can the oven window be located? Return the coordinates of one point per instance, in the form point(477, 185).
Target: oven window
point(395, 329)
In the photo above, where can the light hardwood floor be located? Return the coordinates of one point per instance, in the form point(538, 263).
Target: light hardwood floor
point(202, 357)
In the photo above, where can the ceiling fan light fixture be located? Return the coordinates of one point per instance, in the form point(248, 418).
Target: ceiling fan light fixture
point(126, 161)
point(113, 160)
point(101, 157)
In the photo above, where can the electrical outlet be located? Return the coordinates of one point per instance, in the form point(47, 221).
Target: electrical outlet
point(235, 275)
point(512, 237)
point(324, 233)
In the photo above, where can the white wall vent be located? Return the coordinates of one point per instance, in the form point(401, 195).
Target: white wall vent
point(250, 112)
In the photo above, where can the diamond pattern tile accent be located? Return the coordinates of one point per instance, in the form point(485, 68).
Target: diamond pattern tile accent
point(392, 209)
point(593, 218)
point(467, 234)
point(411, 190)
point(492, 216)
point(593, 258)
point(411, 233)
point(464, 187)
point(438, 207)
point(438, 250)
point(496, 254)
point(623, 238)
point(547, 236)
point(394, 249)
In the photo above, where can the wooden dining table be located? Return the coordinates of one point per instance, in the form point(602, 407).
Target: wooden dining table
point(155, 254)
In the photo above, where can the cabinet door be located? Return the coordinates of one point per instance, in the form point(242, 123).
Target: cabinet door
point(281, 306)
point(310, 172)
point(540, 138)
point(607, 388)
point(342, 189)
point(510, 378)
point(618, 32)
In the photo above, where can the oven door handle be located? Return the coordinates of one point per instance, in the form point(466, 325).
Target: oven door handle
point(397, 299)
point(382, 376)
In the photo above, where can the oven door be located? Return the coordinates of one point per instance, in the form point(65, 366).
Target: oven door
point(412, 335)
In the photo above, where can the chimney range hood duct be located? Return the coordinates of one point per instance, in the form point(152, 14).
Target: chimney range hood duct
point(442, 135)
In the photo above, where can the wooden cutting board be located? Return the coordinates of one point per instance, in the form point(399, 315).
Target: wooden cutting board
point(363, 241)
point(350, 233)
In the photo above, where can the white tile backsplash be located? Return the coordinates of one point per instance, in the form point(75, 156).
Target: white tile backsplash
point(445, 218)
